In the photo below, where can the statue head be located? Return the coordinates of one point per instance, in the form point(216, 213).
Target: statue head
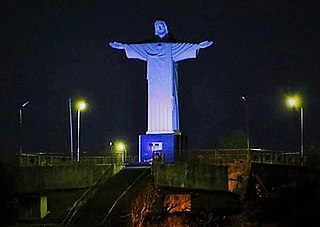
point(160, 28)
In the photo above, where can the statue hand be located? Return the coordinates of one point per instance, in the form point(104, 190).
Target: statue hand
point(205, 44)
point(116, 45)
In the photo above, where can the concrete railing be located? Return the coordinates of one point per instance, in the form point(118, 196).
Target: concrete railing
point(41, 159)
point(212, 156)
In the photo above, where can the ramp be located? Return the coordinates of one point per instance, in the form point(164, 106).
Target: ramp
point(101, 206)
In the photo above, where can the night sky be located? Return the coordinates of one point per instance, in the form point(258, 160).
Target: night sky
point(53, 50)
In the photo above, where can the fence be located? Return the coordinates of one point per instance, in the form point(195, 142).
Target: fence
point(276, 157)
point(224, 156)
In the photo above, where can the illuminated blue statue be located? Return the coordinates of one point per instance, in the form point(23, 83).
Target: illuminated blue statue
point(162, 57)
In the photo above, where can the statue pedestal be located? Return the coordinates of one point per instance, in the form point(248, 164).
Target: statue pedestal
point(163, 146)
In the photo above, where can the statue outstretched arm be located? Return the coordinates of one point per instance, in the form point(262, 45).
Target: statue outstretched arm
point(134, 51)
point(205, 44)
point(116, 45)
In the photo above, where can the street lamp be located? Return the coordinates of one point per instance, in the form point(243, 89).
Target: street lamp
point(20, 123)
point(81, 106)
point(295, 102)
point(110, 146)
point(120, 146)
point(247, 121)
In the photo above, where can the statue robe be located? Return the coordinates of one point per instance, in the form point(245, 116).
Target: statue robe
point(162, 77)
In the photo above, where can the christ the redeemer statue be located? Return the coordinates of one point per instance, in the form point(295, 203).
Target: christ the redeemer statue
point(162, 56)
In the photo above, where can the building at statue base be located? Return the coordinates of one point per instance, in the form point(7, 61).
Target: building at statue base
point(161, 147)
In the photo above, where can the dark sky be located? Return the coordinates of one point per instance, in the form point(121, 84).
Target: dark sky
point(52, 50)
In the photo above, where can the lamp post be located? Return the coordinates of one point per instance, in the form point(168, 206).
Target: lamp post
point(71, 128)
point(247, 122)
point(81, 106)
point(20, 124)
point(295, 102)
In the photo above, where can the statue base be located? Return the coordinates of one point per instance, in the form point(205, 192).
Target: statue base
point(161, 146)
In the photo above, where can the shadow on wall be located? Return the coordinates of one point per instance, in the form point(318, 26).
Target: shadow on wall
point(8, 203)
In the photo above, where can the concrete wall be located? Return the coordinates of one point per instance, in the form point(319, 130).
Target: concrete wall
point(37, 178)
point(194, 175)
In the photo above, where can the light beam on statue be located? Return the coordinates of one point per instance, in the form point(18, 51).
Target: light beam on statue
point(162, 57)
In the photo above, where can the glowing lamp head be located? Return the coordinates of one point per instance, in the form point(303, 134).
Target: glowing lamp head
point(120, 146)
point(81, 105)
point(293, 102)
